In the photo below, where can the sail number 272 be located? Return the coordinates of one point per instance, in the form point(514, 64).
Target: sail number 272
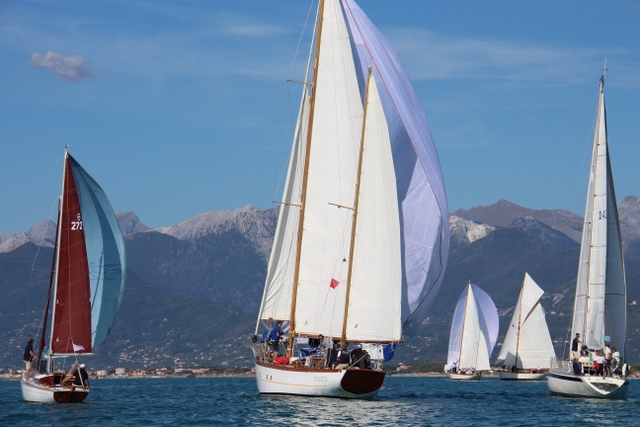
point(77, 225)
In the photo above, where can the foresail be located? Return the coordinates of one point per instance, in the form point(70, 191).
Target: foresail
point(105, 252)
point(455, 335)
point(332, 165)
point(487, 318)
point(376, 283)
point(421, 194)
point(277, 296)
point(536, 347)
point(507, 355)
point(615, 310)
point(71, 329)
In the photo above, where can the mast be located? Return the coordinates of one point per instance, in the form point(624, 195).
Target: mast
point(355, 208)
point(57, 257)
point(464, 320)
point(519, 323)
point(305, 175)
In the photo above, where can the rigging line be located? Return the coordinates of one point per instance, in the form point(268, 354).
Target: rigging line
point(287, 101)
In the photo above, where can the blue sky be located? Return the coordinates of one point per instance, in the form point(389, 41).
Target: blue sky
point(178, 108)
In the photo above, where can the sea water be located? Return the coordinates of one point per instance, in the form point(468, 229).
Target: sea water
point(403, 401)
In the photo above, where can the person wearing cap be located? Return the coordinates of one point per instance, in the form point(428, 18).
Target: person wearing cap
point(80, 377)
point(360, 358)
point(29, 355)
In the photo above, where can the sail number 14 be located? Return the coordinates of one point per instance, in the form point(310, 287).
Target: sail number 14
point(602, 214)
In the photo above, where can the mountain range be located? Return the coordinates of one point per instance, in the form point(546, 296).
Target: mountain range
point(193, 289)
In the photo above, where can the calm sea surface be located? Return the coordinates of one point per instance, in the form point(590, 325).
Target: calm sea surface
point(403, 401)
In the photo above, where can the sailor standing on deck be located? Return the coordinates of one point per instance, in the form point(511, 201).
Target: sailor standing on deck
point(274, 338)
point(29, 355)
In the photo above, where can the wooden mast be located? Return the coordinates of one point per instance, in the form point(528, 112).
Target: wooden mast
point(519, 324)
point(305, 174)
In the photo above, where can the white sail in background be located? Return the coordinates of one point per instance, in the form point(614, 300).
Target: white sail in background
point(600, 301)
point(527, 344)
point(474, 330)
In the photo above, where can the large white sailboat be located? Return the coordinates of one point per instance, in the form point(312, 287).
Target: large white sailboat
point(474, 332)
point(527, 347)
point(600, 302)
point(362, 238)
point(85, 288)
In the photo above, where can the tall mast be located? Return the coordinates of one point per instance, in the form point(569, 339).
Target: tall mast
point(303, 197)
point(464, 319)
point(355, 207)
point(57, 256)
point(519, 323)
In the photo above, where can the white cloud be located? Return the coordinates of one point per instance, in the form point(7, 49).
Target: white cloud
point(70, 69)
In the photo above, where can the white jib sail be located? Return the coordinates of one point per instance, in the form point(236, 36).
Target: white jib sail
point(277, 296)
point(376, 282)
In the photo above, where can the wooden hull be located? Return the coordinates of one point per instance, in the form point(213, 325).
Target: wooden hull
point(463, 377)
point(344, 383)
point(566, 384)
point(521, 376)
point(42, 389)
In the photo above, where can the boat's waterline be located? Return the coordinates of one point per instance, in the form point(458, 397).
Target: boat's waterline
point(42, 393)
point(344, 383)
point(463, 377)
point(564, 384)
point(521, 376)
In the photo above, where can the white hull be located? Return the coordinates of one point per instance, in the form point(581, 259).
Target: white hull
point(522, 376)
point(344, 383)
point(475, 376)
point(565, 384)
point(37, 390)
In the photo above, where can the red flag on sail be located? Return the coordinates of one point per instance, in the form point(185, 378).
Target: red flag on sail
point(334, 283)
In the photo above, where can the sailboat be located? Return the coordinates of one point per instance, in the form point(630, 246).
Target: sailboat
point(362, 238)
point(599, 309)
point(527, 347)
point(85, 288)
point(474, 332)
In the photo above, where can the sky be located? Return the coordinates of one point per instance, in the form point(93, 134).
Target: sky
point(181, 107)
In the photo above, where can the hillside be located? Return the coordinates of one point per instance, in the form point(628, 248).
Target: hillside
point(193, 289)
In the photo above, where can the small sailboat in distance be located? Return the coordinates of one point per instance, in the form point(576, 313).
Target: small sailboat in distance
point(85, 288)
point(599, 308)
point(527, 347)
point(474, 332)
point(362, 237)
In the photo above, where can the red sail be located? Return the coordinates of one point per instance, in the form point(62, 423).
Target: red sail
point(72, 315)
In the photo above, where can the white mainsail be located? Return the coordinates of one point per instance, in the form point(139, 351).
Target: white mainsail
point(474, 330)
point(527, 344)
point(600, 301)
